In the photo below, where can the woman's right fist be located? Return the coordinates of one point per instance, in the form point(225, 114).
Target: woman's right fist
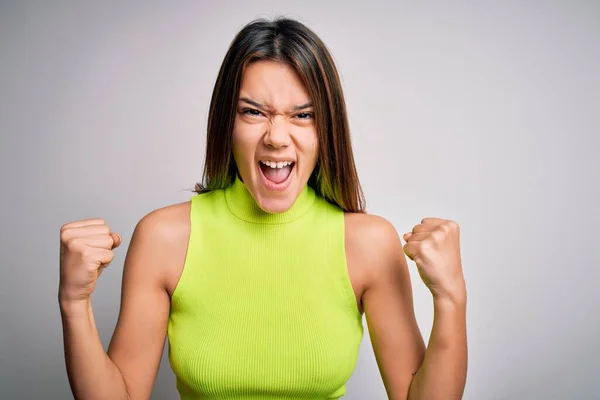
point(86, 248)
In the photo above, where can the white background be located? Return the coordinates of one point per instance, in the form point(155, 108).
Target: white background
point(484, 112)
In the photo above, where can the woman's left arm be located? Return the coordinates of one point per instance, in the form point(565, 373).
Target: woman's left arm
point(434, 245)
point(409, 371)
point(444, 371)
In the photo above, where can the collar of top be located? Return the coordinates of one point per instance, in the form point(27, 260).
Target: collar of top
point(241, 203)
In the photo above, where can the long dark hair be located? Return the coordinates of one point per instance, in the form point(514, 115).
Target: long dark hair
point(289, 41)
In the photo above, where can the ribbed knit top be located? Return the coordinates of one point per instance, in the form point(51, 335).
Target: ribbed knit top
point(264, 308)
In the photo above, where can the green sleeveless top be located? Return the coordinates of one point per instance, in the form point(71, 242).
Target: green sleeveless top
point(264, 308)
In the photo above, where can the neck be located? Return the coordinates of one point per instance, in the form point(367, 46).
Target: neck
point(242, 204)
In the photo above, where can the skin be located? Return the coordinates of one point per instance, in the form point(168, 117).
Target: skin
point(376, 263)
point(274, 121)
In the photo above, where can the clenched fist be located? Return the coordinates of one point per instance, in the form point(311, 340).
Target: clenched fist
point(86, 248)
point(434, 245)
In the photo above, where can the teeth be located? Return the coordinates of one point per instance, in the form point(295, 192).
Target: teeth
point(274, 164)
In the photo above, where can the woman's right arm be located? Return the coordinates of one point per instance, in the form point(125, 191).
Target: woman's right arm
point(128, 370)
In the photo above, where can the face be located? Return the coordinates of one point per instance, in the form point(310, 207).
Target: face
point(274, 136)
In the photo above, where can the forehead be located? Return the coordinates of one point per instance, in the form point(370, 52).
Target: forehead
point(273, 83)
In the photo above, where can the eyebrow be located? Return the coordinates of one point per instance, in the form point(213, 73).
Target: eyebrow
point(264, 107)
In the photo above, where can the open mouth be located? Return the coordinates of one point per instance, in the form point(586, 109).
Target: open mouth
point(276, 175)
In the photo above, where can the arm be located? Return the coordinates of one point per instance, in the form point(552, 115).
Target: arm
point(397, 342)
point(409, 371)
point(91, 372)
point(128, 369)
point(444, 372)
point(434, 245)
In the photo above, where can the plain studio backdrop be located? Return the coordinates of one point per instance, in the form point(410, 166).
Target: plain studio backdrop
point(487, 113)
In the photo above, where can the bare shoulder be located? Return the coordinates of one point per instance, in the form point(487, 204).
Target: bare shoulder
point(166, 233)
point(387, 299)
point(372, 238)
point(168, 223)
point(371, 244)
point(370, 228)
point(154, 259)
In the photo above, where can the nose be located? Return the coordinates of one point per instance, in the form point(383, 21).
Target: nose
point(277, 134)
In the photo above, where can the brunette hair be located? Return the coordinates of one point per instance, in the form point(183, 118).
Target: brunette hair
point(289, 41)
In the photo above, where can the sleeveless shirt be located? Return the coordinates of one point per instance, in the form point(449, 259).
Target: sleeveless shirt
point(264, 307)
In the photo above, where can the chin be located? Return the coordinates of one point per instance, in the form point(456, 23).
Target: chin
point(276, 197)
point(275, 202)
point(276, 206)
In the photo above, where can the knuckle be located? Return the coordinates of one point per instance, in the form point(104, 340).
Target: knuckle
point(425, 246)
point(73, 243)
point(438, 234)
point(451, 226)
point(65, 234)
point(88, 255)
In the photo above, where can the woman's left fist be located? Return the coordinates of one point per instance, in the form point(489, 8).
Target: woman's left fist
point(434, 245)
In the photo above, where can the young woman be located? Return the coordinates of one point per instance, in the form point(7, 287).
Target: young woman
point(261, 279)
